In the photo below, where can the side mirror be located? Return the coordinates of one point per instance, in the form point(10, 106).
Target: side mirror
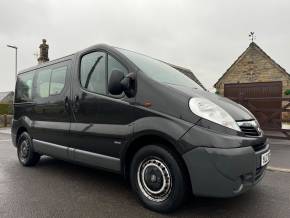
point(119, 83)
point(115, 87)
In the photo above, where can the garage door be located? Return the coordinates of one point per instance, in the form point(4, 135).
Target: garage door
point(260, 99)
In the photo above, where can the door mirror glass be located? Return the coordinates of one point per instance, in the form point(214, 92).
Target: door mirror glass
point(116, 84)
point(114, 64)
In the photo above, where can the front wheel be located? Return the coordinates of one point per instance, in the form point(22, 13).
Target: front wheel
point(25, 152)
point(158, 179)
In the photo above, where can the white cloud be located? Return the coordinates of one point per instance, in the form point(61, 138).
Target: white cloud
point(205, 36)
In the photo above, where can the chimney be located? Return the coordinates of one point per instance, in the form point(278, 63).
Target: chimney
point(43, 57)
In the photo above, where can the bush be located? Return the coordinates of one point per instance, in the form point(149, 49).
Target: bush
point(287, 92)
point(5, 109)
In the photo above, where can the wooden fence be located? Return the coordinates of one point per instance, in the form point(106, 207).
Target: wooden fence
point(272, 118)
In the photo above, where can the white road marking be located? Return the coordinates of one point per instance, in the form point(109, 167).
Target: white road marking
point(5, 140)
point(278, 169)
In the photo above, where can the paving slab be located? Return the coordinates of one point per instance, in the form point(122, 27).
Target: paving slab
point(5, 130)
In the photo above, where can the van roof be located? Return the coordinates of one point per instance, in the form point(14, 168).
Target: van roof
point(54, 61)
point(183, 70)
point(68, 57)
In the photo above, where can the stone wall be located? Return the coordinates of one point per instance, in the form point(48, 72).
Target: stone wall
point(5, 120)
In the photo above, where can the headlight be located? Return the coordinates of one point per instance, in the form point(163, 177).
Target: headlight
point(210, 111)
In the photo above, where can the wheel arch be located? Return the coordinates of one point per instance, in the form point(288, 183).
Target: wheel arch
point(151, 138)
point(23, 124)
point(20, 130)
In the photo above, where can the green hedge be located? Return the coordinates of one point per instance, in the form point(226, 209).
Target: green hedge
point(5, 109)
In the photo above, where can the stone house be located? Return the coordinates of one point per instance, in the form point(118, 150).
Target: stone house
point(253, 65)
point(256, 75)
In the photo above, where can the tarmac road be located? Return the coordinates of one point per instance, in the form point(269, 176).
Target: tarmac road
point(55, 188)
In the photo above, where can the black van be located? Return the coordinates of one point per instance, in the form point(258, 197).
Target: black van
point(125, 112)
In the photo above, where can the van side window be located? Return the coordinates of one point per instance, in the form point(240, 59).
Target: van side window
point(24, 87)
point(57, 80)
point(42, 83)
point(93, 72)
point(113, 64)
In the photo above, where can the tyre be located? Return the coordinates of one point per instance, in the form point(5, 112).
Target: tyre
point(25, 153)
point(158, 179)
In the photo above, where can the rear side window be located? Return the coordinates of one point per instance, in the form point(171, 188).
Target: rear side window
point(50, 81)
point(24, 87)
point(57, 80)
point(93, 72)
point(42, 83)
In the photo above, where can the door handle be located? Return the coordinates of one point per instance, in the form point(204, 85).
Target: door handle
point(76, 103)
point(66, 104)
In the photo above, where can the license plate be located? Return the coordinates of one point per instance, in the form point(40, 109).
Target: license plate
point(265, 158)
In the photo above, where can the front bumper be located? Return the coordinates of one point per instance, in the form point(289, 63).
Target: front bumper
point(224, 172)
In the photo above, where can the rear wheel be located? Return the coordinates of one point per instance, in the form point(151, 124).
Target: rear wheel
point(157, 178)
point(25, 152)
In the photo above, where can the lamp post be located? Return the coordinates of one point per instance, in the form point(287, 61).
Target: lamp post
point(14, 47)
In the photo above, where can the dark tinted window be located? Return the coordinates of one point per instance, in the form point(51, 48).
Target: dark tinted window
point(24, 87)
point(57, 80)
point(93, 72)
point(42, 83)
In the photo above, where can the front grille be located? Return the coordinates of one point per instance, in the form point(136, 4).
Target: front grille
point(249, 127)
point(259, 147)
point(249, 130)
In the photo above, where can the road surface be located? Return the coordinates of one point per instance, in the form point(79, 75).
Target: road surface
point(55, 188)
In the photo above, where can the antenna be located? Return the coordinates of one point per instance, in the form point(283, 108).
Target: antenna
point(36, 54)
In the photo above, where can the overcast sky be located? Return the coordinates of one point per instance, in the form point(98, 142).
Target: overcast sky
point(204, 36)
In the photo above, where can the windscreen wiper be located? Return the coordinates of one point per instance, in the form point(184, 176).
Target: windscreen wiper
point(91, 71)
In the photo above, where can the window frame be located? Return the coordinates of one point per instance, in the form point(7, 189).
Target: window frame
point(107, 94)
point(36, 94)
point(79, 71)
point(64, 63)
point(65, 78)
point(33, 71)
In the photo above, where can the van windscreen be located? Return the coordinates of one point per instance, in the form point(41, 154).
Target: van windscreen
point(158, 70)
